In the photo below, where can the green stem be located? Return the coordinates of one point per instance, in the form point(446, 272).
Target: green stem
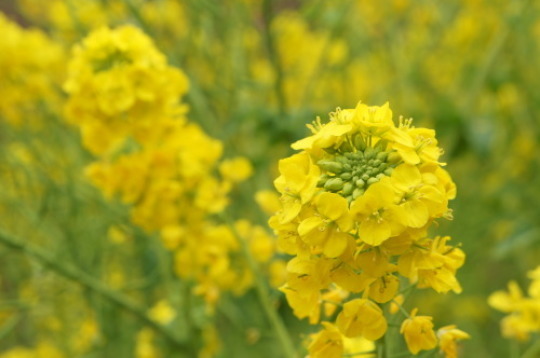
point(514, 349)
point(405, 313)
point(268, 12)
point(90, 283)
point(381, 352)
point(263, 294)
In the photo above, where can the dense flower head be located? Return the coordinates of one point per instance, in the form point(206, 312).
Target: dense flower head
point(30, 68)
point(523, 311)
point(121, 86)
point(356, 205)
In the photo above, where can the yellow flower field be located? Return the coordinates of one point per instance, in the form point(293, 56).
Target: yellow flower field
point(269, 178)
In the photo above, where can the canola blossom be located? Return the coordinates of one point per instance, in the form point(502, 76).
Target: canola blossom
point(356, 205)
point(30, 78)
point(523, 311)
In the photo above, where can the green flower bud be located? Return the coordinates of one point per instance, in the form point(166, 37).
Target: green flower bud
point(341, 159)
point(381, 145)
point(393, 158)
point(330, 150)
point(357, 192)
point(346, 176)
point(382, 156)
point(388, 171)
point(371, 181)
point(370, 153)
point(348, 188)
point(365, 177)
point(359, 141)
point(346, 147)
point(360, 183)
point(330, 166)
point(334, 184)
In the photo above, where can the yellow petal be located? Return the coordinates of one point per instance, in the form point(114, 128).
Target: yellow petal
point(335, 245)
point(405, 177)
point(309, 224)
point(331, 206)
point(374, 233)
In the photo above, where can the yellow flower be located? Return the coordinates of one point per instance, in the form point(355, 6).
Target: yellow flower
point(236, 170)
point(268, 201)
point(328, 229)
point(413, 194)
point(356, 206)
point(361, 317)
point(162, 312)
point(507, 302)
point(418, 333)
point(384, 288)
point(415, 145)
point(433, 264)
point(120, 85)
point(448, 335)
point(374, 120)
point(297, 183)
point(328, 135)
point(377, 213)
point(145, 347)
point(327, 343)
point(524, 311)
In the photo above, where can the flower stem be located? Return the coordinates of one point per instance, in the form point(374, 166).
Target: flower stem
point(263, 295)
point(92, 284)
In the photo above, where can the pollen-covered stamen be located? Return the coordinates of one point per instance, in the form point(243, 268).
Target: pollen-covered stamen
point(356, 166)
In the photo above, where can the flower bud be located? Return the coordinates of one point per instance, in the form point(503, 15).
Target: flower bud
point(334, 184)
point(348, 188)
point(330, 166)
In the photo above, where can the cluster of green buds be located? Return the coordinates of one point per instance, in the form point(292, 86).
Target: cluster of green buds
point(350, 172)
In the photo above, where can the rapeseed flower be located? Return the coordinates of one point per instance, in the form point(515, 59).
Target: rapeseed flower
point(418, 333)
point(523, 310)
point(356, 204)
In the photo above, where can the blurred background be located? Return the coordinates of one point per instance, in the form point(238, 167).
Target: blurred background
point(259, 70)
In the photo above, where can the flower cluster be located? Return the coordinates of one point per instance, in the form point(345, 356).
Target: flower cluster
point(356, 205)
point(30, 66)
point(125, 98)
point(121, 87)
point(523, 311)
